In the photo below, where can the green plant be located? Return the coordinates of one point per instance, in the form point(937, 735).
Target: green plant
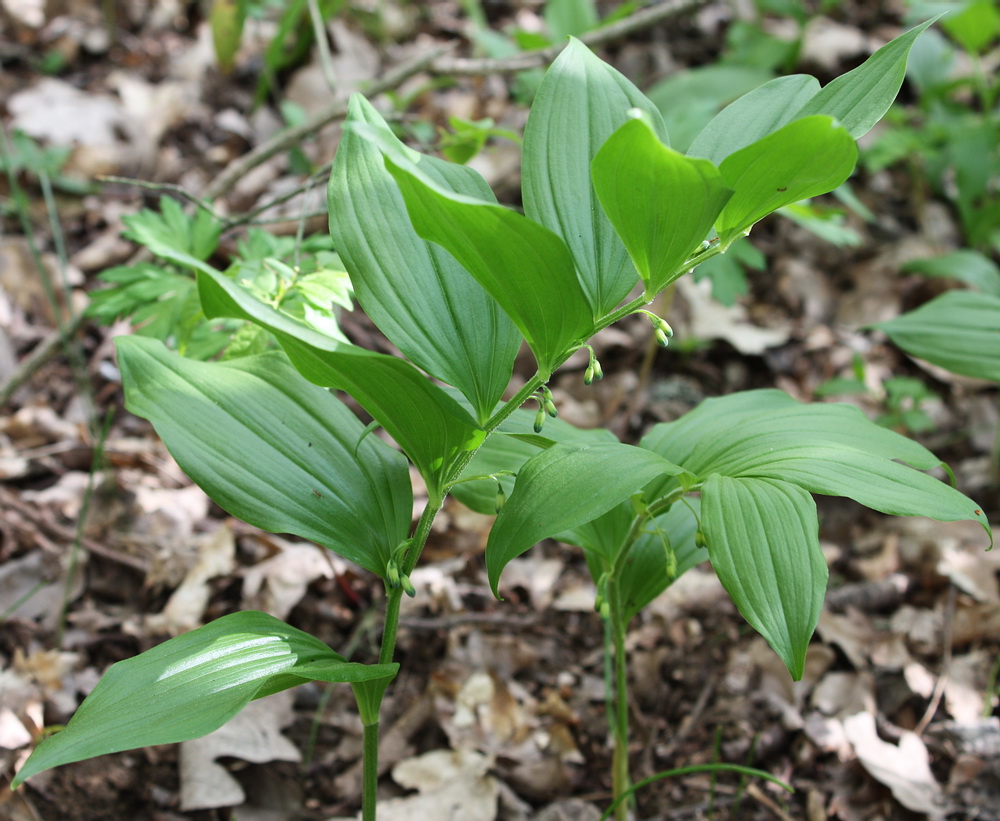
point(457, 282)
point(305, 280)
point(958, 330)
point(950, 140)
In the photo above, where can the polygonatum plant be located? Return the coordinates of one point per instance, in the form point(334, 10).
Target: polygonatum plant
point(457, 282)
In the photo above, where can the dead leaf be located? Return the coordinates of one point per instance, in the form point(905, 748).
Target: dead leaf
point(452, 786)
point(709, 319)
point(252, 735)
point(904, 769)
point(277, 584)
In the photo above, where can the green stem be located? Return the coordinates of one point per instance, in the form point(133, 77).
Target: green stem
point(621, 779)
point(369, 777)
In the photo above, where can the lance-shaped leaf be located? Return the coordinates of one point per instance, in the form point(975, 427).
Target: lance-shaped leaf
point(430, 426)
point(273, 449)
point(579, 104)
point(824, 448)
point(763, 541)
point(193, 684)
point(861, 97)
point(753, 116)
point(523, 265)
point(805, 158)
point(661, 203)
point(957, 330)
point(419, 296)
point(565, 486)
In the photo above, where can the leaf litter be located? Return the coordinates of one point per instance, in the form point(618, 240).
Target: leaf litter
point(500, 711)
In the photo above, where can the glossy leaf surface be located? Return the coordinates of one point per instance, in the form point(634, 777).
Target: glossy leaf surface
point(565, 486)
point(580, 103)
point(763, 540)
point(824, 448)
point(428, 424)
point(861, 97)
point(753, 116)
point(523, 265)
point(272, 449)
point(193, 684)
point(803, 159)
point(419, 296)
point(957, 330)
point(661, 203)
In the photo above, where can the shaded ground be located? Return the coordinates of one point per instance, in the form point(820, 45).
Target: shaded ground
point(897, 708)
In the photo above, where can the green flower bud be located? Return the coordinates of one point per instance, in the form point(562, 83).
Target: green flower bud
point(408, 587)
point(588, 375)
point(551, 409)
point(605, 610)
point(598, 603)
point(501, 498)
point(671, 566)
point(598, 372)
point(699, 538)
point(539, 420)
point(661, 338)
point(392, 574)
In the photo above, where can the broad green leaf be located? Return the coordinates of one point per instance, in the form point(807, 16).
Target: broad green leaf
point(824, 448)
point(430, 426)
point(975, 26)
point(661, 203)
point(690, 98)
point(861, 97)
point(580, 103)
point(966, 265)
point(957, 330)
point(753, 116)
point(647, 571)
point(565, 486)
point(805, 158)
point(193, 684)
point(510, 447)
point(523, 265)
point(763, 540)
point(569, 17)
point(273, 449)
point(419, 296)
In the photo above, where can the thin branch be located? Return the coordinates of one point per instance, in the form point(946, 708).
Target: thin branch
point(236, 170)
point(642, 19)
point(180, 191)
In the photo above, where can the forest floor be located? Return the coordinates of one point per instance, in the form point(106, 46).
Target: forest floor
point(106, 548)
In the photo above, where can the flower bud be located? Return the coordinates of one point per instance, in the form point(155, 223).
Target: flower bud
point(539, 420)
point(699, 538)
point(408, 587)
point(501, 499)
point(661, 338)
point(588, 375)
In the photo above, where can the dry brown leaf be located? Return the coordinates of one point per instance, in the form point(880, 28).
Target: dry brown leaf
point(252, 735)
point(904, 769)
point(277, 584)
point(451, 785)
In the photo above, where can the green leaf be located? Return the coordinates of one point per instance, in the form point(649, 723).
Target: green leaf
point(860, 98)
point(803, 159)
point(419, 296)
point(763, 540)
point(825, 448)
point(580, 103)
point(273, 449)
point(565, 18)
point(523, 265)
point(193, 684)
point(510, 447)
point(661, 203)
point(753, 116)
point(966, 265)
point(957, 330)
point(690, 98)
point(431, 427)
point(975, 26)
point(565, 486)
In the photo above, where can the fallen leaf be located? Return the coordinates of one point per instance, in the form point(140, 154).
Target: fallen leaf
point(252, 735)
point(452, 785)
point(904, 769)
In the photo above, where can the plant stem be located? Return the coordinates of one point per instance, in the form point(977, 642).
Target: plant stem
point(369, 777)
point(620, 775)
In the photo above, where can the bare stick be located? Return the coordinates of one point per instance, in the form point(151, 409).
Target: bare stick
point(232, 173)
